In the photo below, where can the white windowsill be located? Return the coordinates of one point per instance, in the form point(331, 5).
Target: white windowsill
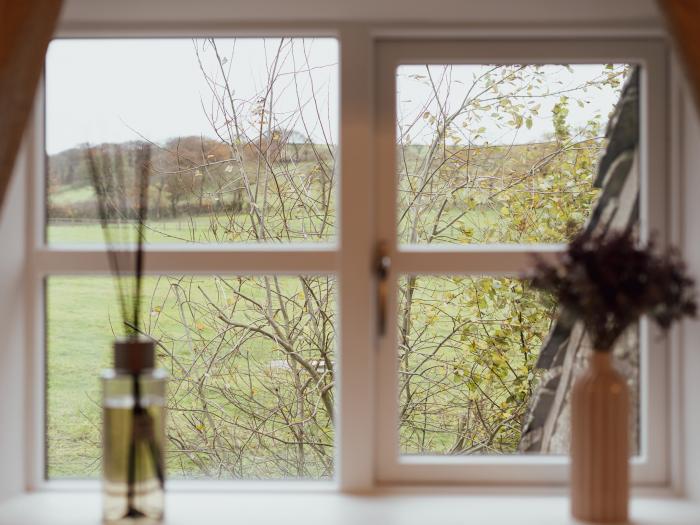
point(251, 508)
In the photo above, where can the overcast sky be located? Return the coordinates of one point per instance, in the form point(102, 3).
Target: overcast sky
point(107, 90)
point(116, 90)
point(416, 85)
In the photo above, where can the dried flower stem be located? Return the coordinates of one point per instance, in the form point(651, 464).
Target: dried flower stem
point(609, 282)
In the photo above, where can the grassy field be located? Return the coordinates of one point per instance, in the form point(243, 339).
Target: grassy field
point(70, 195)
point(160, 232)
point(467, 227)
point(82, 315)
point(82, 318)
point(78, 341)
point(195, 229)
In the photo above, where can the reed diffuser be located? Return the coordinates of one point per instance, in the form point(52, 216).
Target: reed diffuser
point(134, 391)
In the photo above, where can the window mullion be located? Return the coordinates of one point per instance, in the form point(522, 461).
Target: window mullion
point(206, 261)
point(481, 262)
point(387, 372)
point(355, 407)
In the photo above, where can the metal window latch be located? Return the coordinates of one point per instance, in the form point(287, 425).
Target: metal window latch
point(382, 268)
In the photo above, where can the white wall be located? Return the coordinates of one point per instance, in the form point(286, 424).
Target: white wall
point(12, 259)
point(690, 170)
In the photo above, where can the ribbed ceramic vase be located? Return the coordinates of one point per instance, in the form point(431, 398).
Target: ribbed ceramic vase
point(600, 443)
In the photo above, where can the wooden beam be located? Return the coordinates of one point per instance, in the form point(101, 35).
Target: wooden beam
point(26, 26)
point(683, 20)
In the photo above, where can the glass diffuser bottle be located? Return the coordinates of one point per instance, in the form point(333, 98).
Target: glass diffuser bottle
point(133, 435)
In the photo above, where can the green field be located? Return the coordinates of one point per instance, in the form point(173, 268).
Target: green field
point(194, 229)
point(82, 316)
point(78, 342)
point(160, 232)
point(70, 195)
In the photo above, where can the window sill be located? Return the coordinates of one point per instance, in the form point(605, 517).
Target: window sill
point(83, 508)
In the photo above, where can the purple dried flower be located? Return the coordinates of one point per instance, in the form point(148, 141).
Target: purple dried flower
point(609, 282)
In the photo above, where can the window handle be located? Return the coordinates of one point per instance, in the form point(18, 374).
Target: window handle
point(382, 268)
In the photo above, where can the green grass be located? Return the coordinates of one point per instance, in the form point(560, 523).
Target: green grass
point(78, 342)
point(469, 227)
point(82, 317)
point(195, 229)
point(72, 195)
point(79, 310)
point(159, 232)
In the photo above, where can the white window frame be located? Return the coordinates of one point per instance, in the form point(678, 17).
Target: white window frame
point(345, 258)
point(650, 466)
point(366, 448)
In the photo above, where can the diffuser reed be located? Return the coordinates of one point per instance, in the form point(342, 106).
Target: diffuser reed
point(134, 391)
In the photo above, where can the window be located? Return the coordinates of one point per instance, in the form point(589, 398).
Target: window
point(488, 154)
point(482, 181)
point(270, 192)
point(243, 136)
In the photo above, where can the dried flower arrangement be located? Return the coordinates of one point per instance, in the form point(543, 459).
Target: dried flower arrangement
point(609, 282)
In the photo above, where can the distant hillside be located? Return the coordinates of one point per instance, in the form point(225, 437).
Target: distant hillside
point(196, 176)
point(189, 174)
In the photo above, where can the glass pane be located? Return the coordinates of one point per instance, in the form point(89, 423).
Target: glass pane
point(467, 356)
point(243, 136)
point(500, 153)
point(252, 368)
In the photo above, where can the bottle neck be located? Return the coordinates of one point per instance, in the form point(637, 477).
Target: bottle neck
point(601, 360)
point(134, 355)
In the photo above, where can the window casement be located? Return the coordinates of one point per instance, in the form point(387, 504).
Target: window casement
point(510, 259)
point(367, 443)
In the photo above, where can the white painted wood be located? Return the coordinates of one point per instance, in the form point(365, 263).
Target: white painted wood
point(200, 486)
point(387, 420)
point(647, 51)
point(104, 26)
point(689, 157)
point(656, 180)
point(355, 401)
point(675, 91)
point(405, 508)
point(188, 259)
point(12, 340)
point(475, 260)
